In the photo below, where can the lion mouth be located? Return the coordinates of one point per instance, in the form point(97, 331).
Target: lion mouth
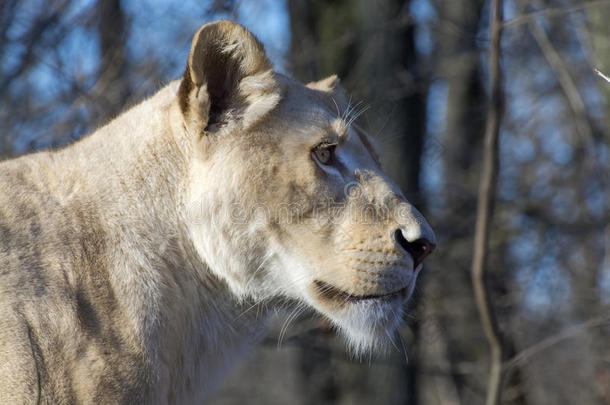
point(331, 292)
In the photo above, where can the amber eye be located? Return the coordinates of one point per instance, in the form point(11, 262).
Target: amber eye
point(324, 153)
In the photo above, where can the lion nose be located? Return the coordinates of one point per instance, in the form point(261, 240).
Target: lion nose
point(419, 249)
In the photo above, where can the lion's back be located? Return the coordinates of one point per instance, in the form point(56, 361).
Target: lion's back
point(21, 225)
point(60, 333)
point(26, 279)
point(23, 284)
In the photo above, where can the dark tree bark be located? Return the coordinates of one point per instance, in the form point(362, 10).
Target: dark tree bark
point(112, 86)
point(456, 58)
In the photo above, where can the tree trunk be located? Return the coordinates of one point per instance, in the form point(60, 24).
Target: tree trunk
point(112, 87)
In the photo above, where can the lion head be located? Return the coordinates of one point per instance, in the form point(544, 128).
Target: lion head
point(291, 198)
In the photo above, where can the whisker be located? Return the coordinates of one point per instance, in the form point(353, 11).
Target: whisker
point(404, 348)
point(267, 257)
point(350, 109)
point(388, 119)
point(337, 106)
point(295, 313)
point(353, 112)
point(390, 137)
point(358, 114)
point(248, 310)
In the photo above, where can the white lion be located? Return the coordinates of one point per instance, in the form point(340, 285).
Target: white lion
point(129, 260)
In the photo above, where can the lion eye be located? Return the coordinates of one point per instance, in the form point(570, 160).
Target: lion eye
point(324, 153)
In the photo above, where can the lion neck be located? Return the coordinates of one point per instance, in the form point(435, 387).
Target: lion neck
point(189, 322)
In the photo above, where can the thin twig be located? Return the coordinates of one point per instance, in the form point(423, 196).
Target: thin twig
point(603, 76)
point(566, 82)
point(553, 12)
point(550, 341)
point(487, 190)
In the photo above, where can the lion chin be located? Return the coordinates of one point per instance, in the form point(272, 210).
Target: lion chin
point(369, 322)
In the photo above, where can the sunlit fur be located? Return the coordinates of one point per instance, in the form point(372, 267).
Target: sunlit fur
point(140, 263)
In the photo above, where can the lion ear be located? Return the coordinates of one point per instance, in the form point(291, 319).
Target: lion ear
point(331, 85)
point(228, 78)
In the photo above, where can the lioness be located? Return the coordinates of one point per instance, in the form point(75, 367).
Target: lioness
point(129, 261)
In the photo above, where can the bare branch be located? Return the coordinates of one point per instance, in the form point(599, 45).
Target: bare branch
point(566, 82)
point(567, 333)
point(487, 189)
point(553, 12)
point(603, 76)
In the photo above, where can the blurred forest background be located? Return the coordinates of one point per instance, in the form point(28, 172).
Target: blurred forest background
point(421, 67)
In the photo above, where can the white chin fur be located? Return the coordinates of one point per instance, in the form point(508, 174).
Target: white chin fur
point(368, 326)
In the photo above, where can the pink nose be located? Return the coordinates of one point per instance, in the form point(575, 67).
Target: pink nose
point(419, 249)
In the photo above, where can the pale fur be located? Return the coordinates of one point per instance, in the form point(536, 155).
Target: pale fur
point(126, 275)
